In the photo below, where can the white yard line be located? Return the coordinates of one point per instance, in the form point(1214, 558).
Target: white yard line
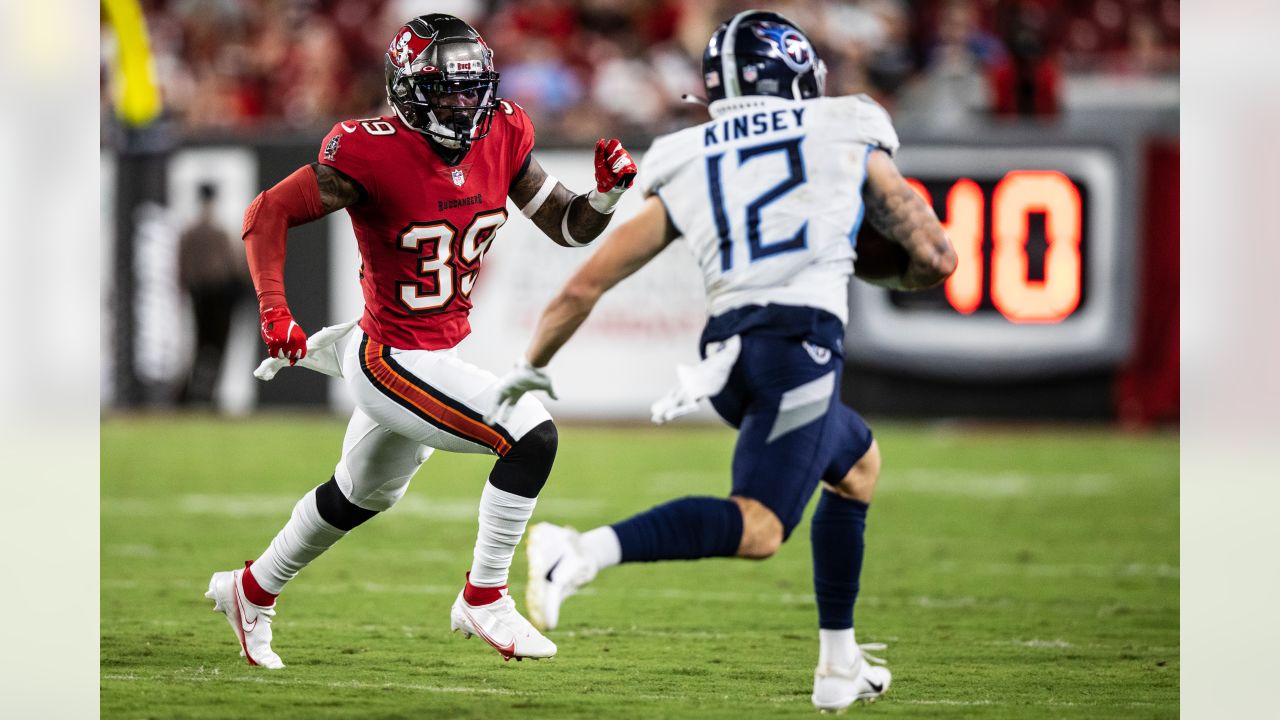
point(941, 701)
point(959, 602)
point(1056, 643)
point(1008, 569)
point(635, 631)
point(279, 506)
point(1064, 570)
point(1037, 703)
point(134, 550)
point(294, 681)
point(995, 485)
point(433, 556)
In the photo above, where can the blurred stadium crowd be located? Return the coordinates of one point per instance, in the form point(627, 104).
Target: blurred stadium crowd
point(586, 68)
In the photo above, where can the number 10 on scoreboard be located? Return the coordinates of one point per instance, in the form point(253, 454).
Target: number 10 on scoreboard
point(1027, 275)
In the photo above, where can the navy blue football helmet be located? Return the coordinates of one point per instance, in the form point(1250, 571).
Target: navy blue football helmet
point(761, 53)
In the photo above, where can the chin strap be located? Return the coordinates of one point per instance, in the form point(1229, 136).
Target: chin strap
point(451, 156)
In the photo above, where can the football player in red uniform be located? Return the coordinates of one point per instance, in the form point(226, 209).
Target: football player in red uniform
point(426, 189)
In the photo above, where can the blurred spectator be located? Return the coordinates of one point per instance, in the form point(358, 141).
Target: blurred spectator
point(1134, 37)
point(550, 20)
point(1027, 81)
point(1149, 53)
point(953, 91)
point(585, 68)
point(536, 75)
point(214, 276)
point(848, 39)
point(892, 62)
point(624, 87)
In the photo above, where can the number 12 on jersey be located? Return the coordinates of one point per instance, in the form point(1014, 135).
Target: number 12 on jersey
point(757, 247)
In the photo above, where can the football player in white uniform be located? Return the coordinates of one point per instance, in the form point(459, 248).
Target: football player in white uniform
point(770, 194)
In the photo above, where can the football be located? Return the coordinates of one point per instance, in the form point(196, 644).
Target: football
point(878, 257)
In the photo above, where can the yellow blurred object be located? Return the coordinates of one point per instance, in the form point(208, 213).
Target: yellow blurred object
point(137, 94)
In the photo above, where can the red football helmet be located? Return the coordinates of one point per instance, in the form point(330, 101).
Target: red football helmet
point(441, 82)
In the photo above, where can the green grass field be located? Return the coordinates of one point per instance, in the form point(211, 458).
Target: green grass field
point(1014, 574)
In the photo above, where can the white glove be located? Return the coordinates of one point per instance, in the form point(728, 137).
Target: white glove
point(510, 387)
point(681, 400)
point(695, 382)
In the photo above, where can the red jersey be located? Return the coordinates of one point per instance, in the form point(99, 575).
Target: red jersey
point(424, 226)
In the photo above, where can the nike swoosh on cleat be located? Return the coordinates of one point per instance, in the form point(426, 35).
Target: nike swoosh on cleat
point(244, 619)
point(506, 651)
point(875, 687)
point(553, 567)
point(240, 631)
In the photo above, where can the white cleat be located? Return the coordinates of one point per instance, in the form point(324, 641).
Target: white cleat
point(835, 689)
point(557, 569)
point(251, 623)
point(502, 626)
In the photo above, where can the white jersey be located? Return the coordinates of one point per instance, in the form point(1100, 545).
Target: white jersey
point(768, 194)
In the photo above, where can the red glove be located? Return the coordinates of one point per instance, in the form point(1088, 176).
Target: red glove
point(283, 336)
point(614, 166)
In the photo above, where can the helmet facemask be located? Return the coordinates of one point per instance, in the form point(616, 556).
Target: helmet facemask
point(454, 113)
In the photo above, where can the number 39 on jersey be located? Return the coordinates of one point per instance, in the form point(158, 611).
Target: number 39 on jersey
point(441, 272)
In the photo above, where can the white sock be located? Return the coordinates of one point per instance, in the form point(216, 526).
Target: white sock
point(300, 541)
point(836, 648)
point(503, 516)
point(601, 545)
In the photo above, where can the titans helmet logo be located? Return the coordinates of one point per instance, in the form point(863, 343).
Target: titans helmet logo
point(793, 48)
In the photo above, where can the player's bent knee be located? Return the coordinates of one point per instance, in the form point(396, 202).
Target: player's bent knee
point(761, 542)
point(860, 482)
point(337, 510)
point(536, 448)
point(762, 531)
point(540, 444)
point(525, 468)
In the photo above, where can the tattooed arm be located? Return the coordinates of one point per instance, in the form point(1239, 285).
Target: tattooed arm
point(902, 216)
point(336, 189)
point(568, 219)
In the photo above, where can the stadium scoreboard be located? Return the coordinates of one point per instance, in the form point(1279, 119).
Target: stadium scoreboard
point(1045, 279)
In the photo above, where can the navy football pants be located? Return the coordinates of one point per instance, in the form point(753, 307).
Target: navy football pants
point(784, 397)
